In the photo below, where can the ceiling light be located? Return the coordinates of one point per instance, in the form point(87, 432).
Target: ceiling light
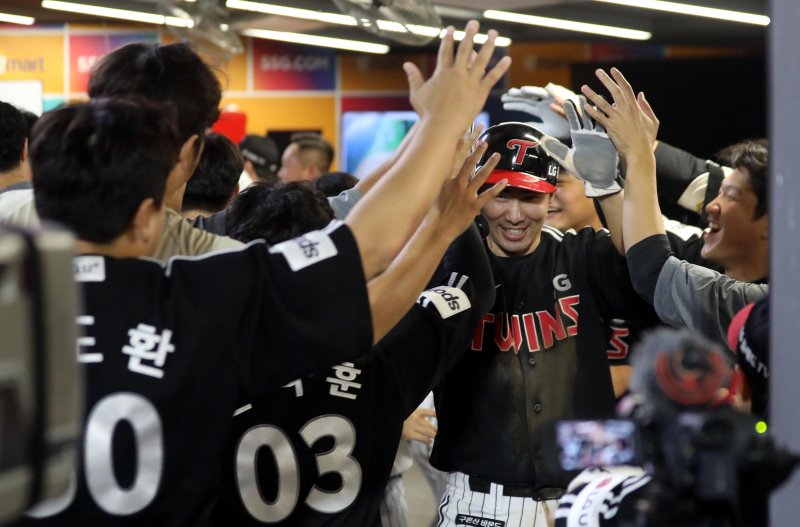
point(17, 19)
point(307, 14)
point(569, 25)
point(123, 14)
point(346, 20)
point(312, 40)
point(686, 9)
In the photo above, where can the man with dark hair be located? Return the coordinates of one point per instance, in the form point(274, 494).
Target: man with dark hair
point(261, 159)
point(277, 212)
point(215, 180)
point(161, 73)
point(684, 294)
point(14, 168)
point(334, 183)
point(306, 158)
point(737, 237)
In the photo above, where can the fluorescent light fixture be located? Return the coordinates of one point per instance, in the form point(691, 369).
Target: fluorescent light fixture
point(346, 20)
point(17, 19)
point(686, 9)
point(123, 14)
point(569, 25)
point(480, 38)
point(307, 14)
point(312, 40)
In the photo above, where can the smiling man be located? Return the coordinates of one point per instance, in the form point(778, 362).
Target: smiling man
point(529, 362)
point(737, 236)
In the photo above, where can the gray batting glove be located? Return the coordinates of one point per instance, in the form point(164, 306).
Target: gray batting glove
point(536, 101)
point(592, 158)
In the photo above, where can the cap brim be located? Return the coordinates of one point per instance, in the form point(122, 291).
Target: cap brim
point(521, 180)
point(736, 326)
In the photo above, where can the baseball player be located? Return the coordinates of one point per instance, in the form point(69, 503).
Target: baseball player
point(171, 351)
point(358, 406)
point(538, 355)
point(319, 451)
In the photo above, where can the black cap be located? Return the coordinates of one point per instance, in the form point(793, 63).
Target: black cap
point(262, 152)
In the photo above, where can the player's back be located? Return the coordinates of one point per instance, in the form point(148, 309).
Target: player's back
point(319, 451)
point(168, 354)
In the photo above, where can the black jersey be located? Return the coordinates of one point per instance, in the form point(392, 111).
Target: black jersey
point(170, 353)
point(320, 450)
point(539, 355)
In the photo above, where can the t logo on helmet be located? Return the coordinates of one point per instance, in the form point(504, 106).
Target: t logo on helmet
point(521, 146)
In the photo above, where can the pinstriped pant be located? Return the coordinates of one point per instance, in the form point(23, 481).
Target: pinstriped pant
point(460, 506)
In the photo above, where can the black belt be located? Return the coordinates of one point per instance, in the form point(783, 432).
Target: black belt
point(477, 484)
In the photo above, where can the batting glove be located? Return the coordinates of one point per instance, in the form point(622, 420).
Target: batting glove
point(536, 101)
point(592, 158)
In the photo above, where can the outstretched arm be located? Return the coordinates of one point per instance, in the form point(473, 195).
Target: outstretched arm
point(386, 217)
point(392, 293)
point(632, 126)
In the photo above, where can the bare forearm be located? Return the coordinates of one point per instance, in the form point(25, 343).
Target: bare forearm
point(641, 215)
point(394, 292)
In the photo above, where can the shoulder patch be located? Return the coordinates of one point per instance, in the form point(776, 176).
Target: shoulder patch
point(306, 250)
point(89, 268)
point(447, 300)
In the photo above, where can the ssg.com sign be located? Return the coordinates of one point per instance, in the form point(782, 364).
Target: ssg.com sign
point(300, 63)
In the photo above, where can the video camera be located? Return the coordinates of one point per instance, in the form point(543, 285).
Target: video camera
point(699, 463)
point(41, 386)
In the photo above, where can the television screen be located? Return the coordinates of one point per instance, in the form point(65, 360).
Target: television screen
point(368, 138)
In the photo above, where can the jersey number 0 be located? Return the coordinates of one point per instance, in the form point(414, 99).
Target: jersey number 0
point(337, 460)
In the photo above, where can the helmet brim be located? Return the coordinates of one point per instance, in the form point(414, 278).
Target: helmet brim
point(521, 180)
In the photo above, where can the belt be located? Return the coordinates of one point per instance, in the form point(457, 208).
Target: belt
point(477, 484)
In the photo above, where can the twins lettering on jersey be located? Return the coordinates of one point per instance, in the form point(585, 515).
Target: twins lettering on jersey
point(618, 346)
point(528, 331)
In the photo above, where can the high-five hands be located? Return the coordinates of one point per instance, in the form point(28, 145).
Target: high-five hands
point(459, 201)
point(630, 122)
point(546, 103)
point(460, 84)
point(592, 157)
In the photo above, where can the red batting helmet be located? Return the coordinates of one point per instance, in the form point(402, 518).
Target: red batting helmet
point(522, 159)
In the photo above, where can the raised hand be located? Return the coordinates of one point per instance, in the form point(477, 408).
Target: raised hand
point(592, 158)
point(630, 121)
point(459, 202)
point(418, 427)
point(460, 84)
point(546, 103)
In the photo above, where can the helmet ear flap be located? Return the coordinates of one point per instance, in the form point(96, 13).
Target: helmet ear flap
point(523, 161)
